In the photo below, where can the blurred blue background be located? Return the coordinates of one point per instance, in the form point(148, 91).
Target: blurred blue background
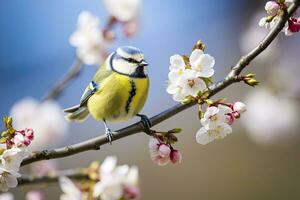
point(35, 53)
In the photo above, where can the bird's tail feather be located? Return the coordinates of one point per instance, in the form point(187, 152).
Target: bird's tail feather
point(76, 113)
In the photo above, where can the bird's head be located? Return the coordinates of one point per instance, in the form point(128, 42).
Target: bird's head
point(129, 61)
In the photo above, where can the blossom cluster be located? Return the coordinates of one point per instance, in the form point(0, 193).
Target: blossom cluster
point(216, 121)
point(274, 11)
point(161, 150)
point(88, 39)
point(189, 77)
point(113, 183)
point(91, 40)
point(13, 149)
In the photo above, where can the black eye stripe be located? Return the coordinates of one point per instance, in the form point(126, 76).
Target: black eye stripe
point(131, 60)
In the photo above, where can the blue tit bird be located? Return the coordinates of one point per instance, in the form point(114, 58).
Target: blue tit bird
point(117, 92)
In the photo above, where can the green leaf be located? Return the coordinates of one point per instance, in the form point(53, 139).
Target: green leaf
point(207, 81)
point(209, 102)
point(200, 114)
point(186, 60)
point(5, 133)
point(175, 130)
point(3, 140)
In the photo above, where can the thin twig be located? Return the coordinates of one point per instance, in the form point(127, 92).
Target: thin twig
point(95, 143)
point(73, 72)
point(77, 174)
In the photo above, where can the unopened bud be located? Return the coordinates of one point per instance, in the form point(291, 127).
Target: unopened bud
point(29, 133)
point(199, 45)
point(251, 75)
point(239, 107)
point(175, 157)
point(229, 119)
point(164, 150)
point(236, 115)
point(251, 81)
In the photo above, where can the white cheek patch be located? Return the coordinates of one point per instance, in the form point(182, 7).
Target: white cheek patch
point(124, 67)
point(146, 70)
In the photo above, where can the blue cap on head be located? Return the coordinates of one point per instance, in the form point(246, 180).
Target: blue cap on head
point(128, 50)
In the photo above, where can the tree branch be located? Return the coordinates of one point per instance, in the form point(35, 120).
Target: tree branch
point(77, 174)
point(58, 88)
point(95, 143)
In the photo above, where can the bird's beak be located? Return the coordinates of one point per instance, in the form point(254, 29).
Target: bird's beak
point(143, 64)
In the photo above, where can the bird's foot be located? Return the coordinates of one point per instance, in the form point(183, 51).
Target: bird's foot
point(109, 135)
point(146, 123)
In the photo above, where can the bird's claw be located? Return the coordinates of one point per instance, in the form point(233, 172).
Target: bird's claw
point(109, 135)
point(146, 123)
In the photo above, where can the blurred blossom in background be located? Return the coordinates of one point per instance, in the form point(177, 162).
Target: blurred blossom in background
point(260, 160)
point(45, 118)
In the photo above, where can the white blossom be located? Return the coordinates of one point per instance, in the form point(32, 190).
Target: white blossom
point(272, 7)
point(11, 158)
point(202, 63)
point(45, 118)
point(177, 63)
point(271, 21)
point(71, 192)
point(188, 84)
point(215, 116)
point(113, 179)
point(214, 124)
point(270, 118)
point(205, 136)
point(6, 196)
point(123, 10)
point(8, 179)
point(88, 39)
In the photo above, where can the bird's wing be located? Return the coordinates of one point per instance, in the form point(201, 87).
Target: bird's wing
point(95, 84)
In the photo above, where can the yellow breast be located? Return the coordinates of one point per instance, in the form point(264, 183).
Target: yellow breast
point(119, 98)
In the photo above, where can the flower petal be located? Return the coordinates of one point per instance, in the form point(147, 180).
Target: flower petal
point(108, 165)
point(195, 55)
point(176, 62)
point(206, 73)
point(202, 136)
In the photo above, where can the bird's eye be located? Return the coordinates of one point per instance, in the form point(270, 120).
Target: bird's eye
point(131, 60)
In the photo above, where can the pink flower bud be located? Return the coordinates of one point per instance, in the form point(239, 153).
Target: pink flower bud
point(161, 161)
point(236, 115)
point(229, 118)
point(35, 195)
point(19, 139)
point(164, 150)
point(272, 7)
point(239, 107)
point(132, 192)
point(294, 25)
point(130, 28)
point(176, 156)
point(29, 133)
